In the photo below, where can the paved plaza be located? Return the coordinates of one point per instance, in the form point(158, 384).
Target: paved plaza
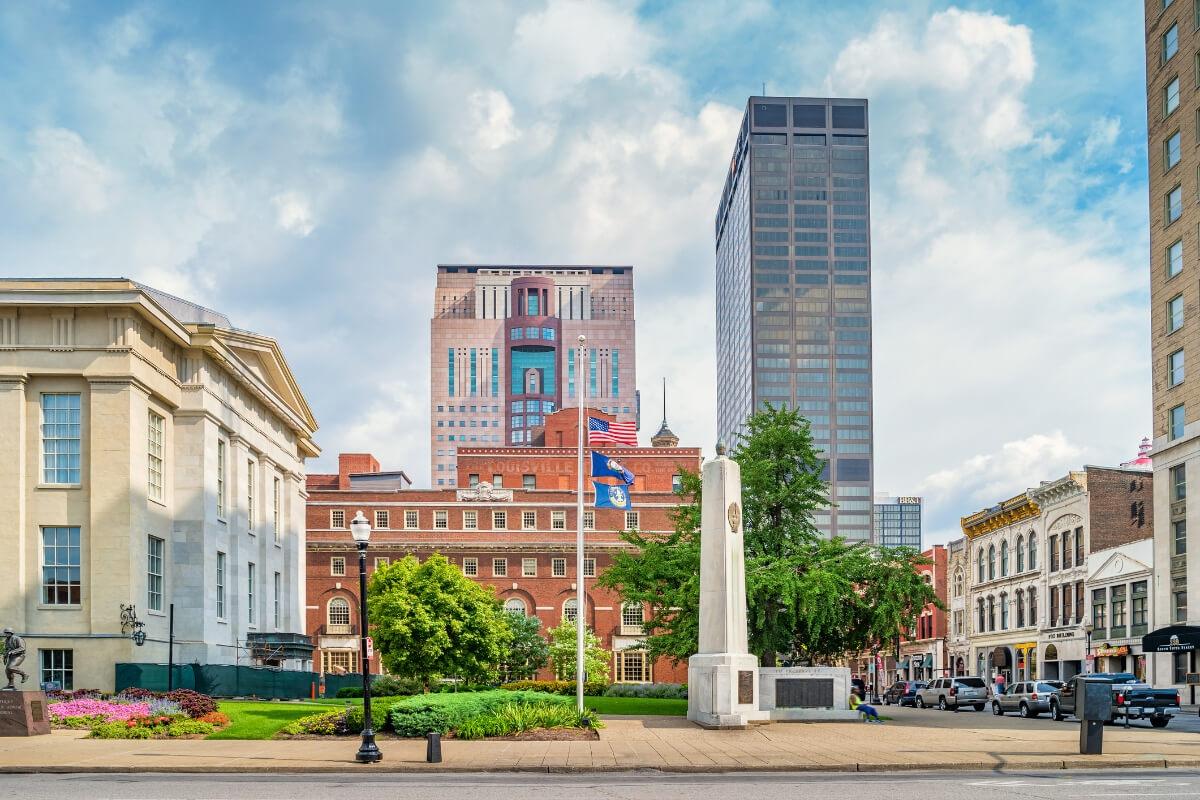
point(913, 741)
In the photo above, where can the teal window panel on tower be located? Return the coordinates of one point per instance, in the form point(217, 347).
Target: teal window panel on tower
point(495, 372)
point(542, 362)
point(450, 357)
point(616, 384)
point(571, 373)
point(592, 372)
point(474, 385)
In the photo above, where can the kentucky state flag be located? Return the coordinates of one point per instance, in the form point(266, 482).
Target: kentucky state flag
point(605, 467)
point(612, 496)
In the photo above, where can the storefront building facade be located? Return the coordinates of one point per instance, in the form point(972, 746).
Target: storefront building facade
point(958, 646)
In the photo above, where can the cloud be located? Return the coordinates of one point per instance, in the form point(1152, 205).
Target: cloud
point(67, 173)
point(293, 213)
point(1102, 135)
point(973, 65)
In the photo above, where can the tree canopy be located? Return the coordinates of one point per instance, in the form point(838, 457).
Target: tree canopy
point(528, 651)
point(562, 652)
point(429, 620)
point(807, 596)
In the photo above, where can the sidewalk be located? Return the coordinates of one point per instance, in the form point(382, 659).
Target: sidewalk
point(664, 743)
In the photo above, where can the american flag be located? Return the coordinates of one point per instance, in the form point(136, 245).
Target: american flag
point(600, 430)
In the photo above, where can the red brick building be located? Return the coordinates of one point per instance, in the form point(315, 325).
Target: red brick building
point(510, 525)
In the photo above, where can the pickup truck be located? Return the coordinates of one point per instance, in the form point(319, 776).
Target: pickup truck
point(1132, 699)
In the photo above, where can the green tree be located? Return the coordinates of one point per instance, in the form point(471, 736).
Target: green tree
point(806, 595)
point(430, 620)
point(528, 651)
point(563, 652)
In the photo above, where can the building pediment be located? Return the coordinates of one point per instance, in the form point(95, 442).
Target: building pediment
point(485, 492)
point(1119, 565)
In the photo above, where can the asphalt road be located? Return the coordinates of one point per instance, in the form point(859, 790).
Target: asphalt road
point(1057, 785)
point(1188, 721)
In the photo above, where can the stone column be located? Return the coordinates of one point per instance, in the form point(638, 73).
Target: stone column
point(722, 676)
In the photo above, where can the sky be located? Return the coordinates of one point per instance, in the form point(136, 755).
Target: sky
point(303, 166)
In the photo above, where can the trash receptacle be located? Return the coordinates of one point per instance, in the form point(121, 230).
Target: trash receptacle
point(1094, 708)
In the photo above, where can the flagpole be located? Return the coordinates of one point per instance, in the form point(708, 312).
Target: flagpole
point(581, 596)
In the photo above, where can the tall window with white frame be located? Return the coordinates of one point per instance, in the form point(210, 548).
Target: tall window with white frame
point(250, 495)
point(275, 501)
point(221, 586)
point(220, 479)
point(278, 598)
point(61, 456)
point(250, 615)
point(155, 550)
point(1174, 262)
point(62, 581)
point(154, 456)
point(1175, 422)
point(1175, 368)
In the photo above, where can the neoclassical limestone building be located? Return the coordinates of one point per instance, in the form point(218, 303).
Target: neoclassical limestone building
point(151, 455)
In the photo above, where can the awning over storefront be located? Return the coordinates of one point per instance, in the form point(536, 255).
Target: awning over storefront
point(1172, 639)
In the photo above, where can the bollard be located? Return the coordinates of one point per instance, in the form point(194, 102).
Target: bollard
point(433, 748)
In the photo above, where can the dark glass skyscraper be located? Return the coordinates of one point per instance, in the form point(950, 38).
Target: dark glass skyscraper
point(793, 238)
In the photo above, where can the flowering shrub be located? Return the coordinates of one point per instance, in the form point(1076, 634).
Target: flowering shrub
point(154, 728)
point(103, 710)
point(215, 718)
point(60, 695)
point(194, 704)
point(137, 693)
point(160, 705)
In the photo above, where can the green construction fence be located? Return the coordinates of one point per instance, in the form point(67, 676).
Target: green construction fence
point(228, 680)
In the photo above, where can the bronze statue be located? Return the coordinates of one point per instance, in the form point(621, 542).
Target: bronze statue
point(14, 656)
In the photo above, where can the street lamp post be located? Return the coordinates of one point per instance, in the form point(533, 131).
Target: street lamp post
point(1089, 665)
point(360, 529)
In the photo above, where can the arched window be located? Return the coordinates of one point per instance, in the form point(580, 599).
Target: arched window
point(1020, 606)
point(982, 618)
point(1004, 611)
point(339, 612)
point(1020, 554)
point(980, 560)
point(991, 605)
point(1033, 617)
point(515, 605)
point(958, 583)
point(991, 562)
point(571, 610)
point(1066, 549)
point(1032, 548)
point(1003, 558)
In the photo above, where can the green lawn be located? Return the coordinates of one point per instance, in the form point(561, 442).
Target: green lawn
point(637, 706)
point(250, 719)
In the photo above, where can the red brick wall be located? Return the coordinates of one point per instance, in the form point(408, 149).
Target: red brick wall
point(1120, 506)
point(544, 594)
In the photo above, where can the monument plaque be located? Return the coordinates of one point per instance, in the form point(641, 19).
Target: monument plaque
point(745, 686)
point(23, 713)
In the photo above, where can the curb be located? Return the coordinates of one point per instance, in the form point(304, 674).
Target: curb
point(418, 769)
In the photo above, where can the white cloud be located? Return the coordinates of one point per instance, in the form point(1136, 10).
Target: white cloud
point(972, 67)
point(1102, 135)
point(293, 213)
point(67, 173)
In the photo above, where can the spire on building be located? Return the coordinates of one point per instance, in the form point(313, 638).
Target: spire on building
point(665, 436)
point(1143, 457)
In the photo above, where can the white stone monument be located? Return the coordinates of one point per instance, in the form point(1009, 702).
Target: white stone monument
point(722, 676)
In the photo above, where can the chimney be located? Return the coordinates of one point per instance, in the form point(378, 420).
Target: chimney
point(356, 463)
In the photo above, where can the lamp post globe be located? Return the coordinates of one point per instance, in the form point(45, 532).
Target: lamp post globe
point(360, 530)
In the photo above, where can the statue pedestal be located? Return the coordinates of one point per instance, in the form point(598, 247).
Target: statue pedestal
point(24, 713)
point(723, 690)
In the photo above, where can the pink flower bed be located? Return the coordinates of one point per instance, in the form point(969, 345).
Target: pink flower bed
point(111, 712)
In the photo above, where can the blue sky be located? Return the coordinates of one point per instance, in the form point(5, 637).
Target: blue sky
point(303, 166)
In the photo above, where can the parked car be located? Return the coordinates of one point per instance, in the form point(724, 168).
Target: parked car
point(903, 693)
point(1132, 699)
point(954, 693)
point(1027, 698)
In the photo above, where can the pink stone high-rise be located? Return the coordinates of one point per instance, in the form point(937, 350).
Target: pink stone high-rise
point(502, 353)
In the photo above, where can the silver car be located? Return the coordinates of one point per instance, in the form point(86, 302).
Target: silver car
point(1027, 698)
point(951, 694)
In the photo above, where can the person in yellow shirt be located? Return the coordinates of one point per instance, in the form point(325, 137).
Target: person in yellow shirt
point(868, 712)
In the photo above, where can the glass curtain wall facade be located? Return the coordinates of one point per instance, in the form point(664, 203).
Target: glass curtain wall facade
point(898, 521)
point(793, 278)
